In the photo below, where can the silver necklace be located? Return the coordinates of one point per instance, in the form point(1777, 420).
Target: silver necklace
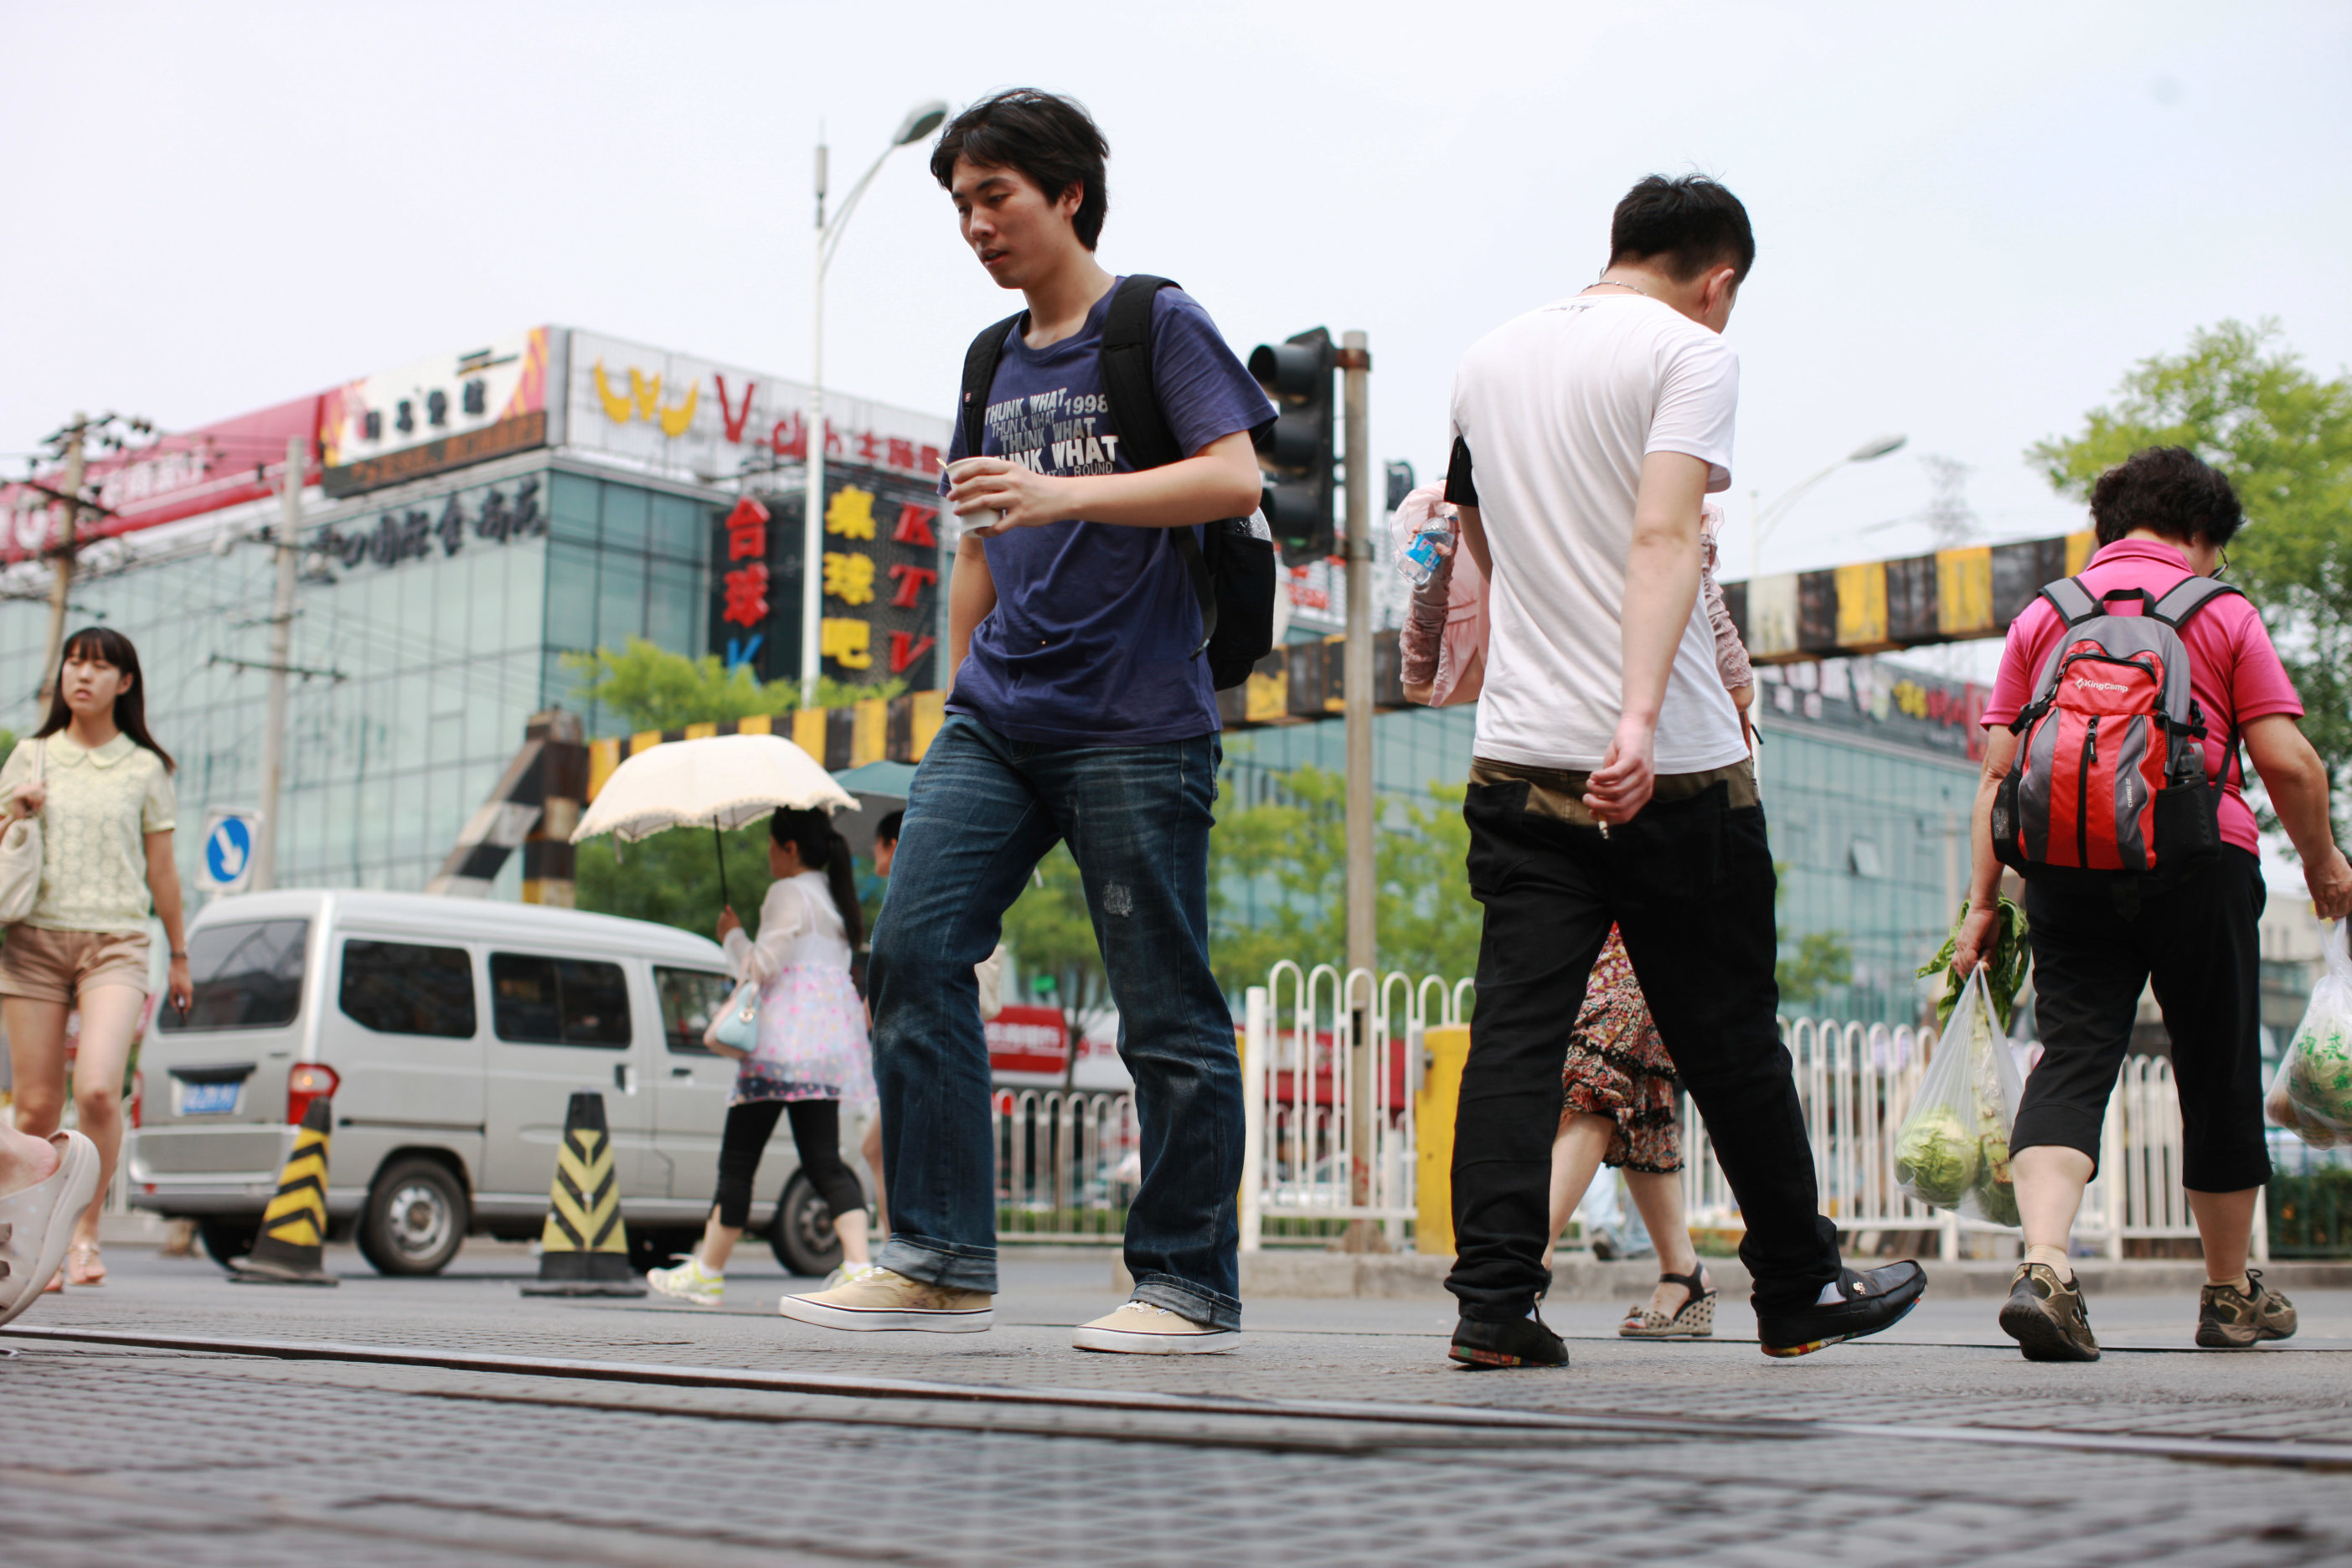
point(1619, 283)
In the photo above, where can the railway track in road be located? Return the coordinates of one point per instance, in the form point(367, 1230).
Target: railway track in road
point(1328, 1426)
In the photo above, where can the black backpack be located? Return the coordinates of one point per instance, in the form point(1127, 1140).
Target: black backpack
point(1233, 572)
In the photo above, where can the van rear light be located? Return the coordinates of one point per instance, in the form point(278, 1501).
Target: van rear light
point(307, 1081)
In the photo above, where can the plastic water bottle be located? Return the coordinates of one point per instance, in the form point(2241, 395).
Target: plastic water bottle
point(1419, 562)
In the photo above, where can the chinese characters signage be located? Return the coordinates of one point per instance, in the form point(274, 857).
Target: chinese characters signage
point(879, 577)
point(440, 528)
point(435, 414)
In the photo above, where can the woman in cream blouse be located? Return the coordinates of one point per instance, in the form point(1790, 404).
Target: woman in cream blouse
point(102, 789)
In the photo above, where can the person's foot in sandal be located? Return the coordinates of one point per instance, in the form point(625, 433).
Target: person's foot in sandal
point(1680, 1308)
point(85, 1265)
point(37, 1222)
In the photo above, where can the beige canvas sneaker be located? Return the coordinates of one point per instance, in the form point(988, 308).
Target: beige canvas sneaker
point(1141, 1329)
point(878, 1299)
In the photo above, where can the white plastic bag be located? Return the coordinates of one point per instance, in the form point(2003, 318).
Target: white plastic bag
point(2311, 1095)
point(1952, 1152)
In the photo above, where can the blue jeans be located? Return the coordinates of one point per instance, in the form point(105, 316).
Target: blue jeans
point(984, 810)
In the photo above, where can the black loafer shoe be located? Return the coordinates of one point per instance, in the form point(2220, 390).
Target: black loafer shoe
point(1867, 1303)
point(1522, 1342)
point(2046, 1316)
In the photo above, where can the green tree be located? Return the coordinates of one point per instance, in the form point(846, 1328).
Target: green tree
point(650, 688)
point(1824, 961)
point(673, 877)
point(1278, 880)
point(2244, 402)
point(1051, 938)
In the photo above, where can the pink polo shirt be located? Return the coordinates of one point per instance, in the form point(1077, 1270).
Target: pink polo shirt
point(2234, 672)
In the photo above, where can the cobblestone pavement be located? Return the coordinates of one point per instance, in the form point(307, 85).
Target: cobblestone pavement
point(111, 1454)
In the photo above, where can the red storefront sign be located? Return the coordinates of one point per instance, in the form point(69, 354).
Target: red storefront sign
point(180, 475)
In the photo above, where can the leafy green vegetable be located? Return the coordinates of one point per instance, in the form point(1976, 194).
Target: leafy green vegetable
point(2005, 965)
point(1937, 1159)
point(1996, 1193)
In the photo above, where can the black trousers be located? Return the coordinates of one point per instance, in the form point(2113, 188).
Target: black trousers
point(816, 1133)
point(1689, 882)
point(2197, 943)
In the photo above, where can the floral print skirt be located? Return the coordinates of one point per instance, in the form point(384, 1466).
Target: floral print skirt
point(1617, 1067)
point(811, 1041)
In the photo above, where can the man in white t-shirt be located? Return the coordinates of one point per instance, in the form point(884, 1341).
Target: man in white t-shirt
point(1610, 783)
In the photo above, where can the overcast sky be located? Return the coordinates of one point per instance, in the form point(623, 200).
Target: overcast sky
point(1968, 225)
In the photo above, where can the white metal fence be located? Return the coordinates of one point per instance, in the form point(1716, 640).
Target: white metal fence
point(1068, 1161)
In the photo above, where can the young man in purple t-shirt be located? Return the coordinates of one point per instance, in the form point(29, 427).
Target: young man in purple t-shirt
point(1080, 712)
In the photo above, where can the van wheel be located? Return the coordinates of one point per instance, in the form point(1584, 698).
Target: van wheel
point(801, 1232)
point(416, 1219)
point(226, 1240)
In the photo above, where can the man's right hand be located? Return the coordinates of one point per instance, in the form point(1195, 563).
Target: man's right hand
point(1973, 947)
point(1617, 790)
point(2330, 881)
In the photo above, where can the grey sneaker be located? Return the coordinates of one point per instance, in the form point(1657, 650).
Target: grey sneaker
point(2046, 1316)
point(2231, 1319)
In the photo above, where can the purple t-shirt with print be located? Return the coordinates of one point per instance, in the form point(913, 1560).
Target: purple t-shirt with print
point(1091, 640)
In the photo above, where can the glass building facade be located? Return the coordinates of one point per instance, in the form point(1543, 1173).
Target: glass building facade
point(420, 657)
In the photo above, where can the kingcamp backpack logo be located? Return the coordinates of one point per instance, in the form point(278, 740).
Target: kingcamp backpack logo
point(2086, 682)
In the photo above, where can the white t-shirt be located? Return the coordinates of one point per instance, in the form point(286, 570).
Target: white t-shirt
point(1557, 409)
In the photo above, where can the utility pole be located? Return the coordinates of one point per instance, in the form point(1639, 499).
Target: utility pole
point(812, 495)
point(1363, 890)
point(281, 650)
point(61, 559)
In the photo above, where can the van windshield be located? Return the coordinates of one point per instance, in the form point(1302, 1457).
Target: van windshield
point(247, 976)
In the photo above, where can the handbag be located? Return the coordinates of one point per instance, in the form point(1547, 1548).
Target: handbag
point(20, 855)
point(738, 1028)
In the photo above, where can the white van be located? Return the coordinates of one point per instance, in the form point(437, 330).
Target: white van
point(452, 1034)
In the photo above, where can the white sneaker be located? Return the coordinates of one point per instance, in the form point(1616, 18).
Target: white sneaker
point(36, 1223)
point(1141, 1328)
point(689, 1282)
point(878, 1299)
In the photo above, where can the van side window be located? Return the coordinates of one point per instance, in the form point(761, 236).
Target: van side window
point(539, 1001)
point(403, 988)
point(691, 998)
point(247, 976)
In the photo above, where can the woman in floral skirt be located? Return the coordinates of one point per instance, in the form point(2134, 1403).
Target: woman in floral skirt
point(809, 1055)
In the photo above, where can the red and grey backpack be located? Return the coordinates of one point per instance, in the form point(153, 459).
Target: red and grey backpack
point(2109, 779)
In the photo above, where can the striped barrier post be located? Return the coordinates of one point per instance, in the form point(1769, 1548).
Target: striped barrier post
point(584, 1250)
point(290, 1250)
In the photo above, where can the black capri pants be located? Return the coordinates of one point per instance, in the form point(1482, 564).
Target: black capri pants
point(816, 1133)
point(2197, 943)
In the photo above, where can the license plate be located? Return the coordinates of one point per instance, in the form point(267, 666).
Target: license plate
point(209, 1099)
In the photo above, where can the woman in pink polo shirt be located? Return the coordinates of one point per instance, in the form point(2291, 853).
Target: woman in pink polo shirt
point(2161, 517)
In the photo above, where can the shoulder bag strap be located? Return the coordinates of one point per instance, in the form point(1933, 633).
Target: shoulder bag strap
point(2073, 601)
point(2181, 602)
point(1142, 425)
point(980, 364)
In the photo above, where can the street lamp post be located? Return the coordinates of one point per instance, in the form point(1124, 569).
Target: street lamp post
point(1770, 517)
point(919, 122)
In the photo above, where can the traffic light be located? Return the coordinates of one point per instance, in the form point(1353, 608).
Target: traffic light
point(1295, 450)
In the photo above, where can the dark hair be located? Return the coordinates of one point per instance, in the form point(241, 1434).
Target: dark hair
point(1050, 139)
point(1692, 223)
point(129, 709)
point(887, 830)
point(823, 849)
point(2169, 490)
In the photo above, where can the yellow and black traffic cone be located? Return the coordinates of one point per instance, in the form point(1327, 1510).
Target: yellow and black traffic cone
point(584, 1250)
point(294, 1226)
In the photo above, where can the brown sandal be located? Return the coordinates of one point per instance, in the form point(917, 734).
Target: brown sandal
point(1693, 1319)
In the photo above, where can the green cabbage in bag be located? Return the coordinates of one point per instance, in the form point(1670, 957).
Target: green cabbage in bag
point(1936, 1158)
point(2312, 1094)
